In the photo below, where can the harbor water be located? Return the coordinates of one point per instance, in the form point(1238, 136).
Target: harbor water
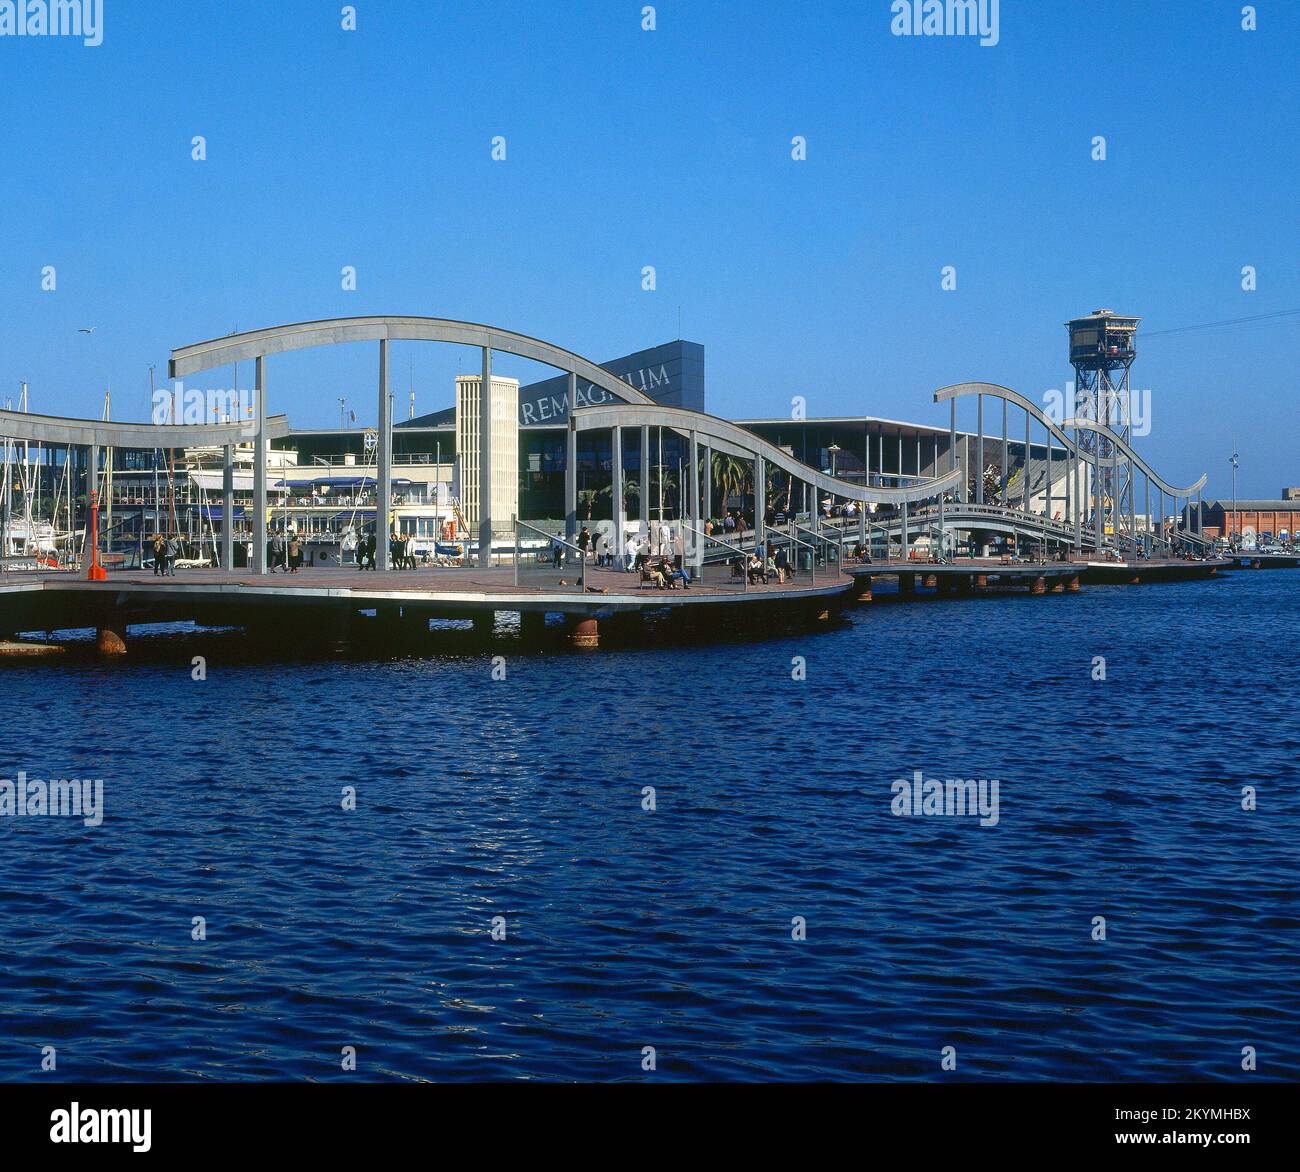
point(503, 902)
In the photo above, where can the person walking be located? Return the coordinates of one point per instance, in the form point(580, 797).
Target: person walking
point(295, 553)
point(277, 551)
point(171, 551)
point(159, 555)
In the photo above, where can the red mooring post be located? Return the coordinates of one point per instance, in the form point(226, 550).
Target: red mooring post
point(95, 572)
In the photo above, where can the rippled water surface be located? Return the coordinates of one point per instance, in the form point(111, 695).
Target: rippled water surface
point(522, 799)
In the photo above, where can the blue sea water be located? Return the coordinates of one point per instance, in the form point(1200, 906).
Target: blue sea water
point(522, 798)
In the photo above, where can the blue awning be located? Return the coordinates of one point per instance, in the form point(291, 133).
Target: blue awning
point(214, 513)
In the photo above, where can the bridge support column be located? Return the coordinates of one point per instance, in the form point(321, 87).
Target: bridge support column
point(571, 472)
point(708, 483)
point(1039, 586)
point(227, 508)
point(110, 638)
point(484, 620)
point(981, 582)
point(1058, 587)
point(532, 623)
point(862, 588)
point(617, 500)
point(693, 545)
point(907, 583)
point(760, 498)
point(484, 464)
point(931, 581)
point(384, 465)
point(645, 478)
point(259, 465)
point(1073, 585)
point(584, 632)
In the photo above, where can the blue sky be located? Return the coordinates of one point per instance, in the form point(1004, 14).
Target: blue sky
point(670, 148)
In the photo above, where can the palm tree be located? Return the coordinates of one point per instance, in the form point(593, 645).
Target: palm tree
point(667, 486)
point(631, 488)
point(731, 475)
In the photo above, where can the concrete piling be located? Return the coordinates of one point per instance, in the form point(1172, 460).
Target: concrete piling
point(584, 633)
point(110, 638)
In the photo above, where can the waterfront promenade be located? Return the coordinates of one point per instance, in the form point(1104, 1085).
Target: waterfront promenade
point(326, 603)
point(332, 598)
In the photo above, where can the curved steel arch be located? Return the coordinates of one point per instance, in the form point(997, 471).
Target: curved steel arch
point(742, 442)
point(1127, 449)
point(956, 390)
point(332, 331)
point(60, 429)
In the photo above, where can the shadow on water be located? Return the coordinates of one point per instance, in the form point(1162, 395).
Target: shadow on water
point(369, 640)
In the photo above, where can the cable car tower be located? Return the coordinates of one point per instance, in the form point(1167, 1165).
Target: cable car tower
point(1102, 348)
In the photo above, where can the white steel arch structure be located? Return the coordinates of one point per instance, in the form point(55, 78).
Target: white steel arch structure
point(258, 345)
point(1081, 465)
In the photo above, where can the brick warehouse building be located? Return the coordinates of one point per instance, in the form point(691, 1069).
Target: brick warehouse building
point(1278, 518)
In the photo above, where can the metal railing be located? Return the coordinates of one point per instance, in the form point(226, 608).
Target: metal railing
point(828, 549)
point(800, 556)
point(546, 560)
point(713, 563)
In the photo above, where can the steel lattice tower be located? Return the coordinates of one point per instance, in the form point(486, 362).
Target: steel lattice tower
point(1102, 348)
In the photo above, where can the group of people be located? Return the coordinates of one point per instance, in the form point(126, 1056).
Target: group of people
point(763, 566)
point(284, 553)
point(597, 545)
point(731, 525)
point(401, 552)
point(660, 572)
point(165, 552)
